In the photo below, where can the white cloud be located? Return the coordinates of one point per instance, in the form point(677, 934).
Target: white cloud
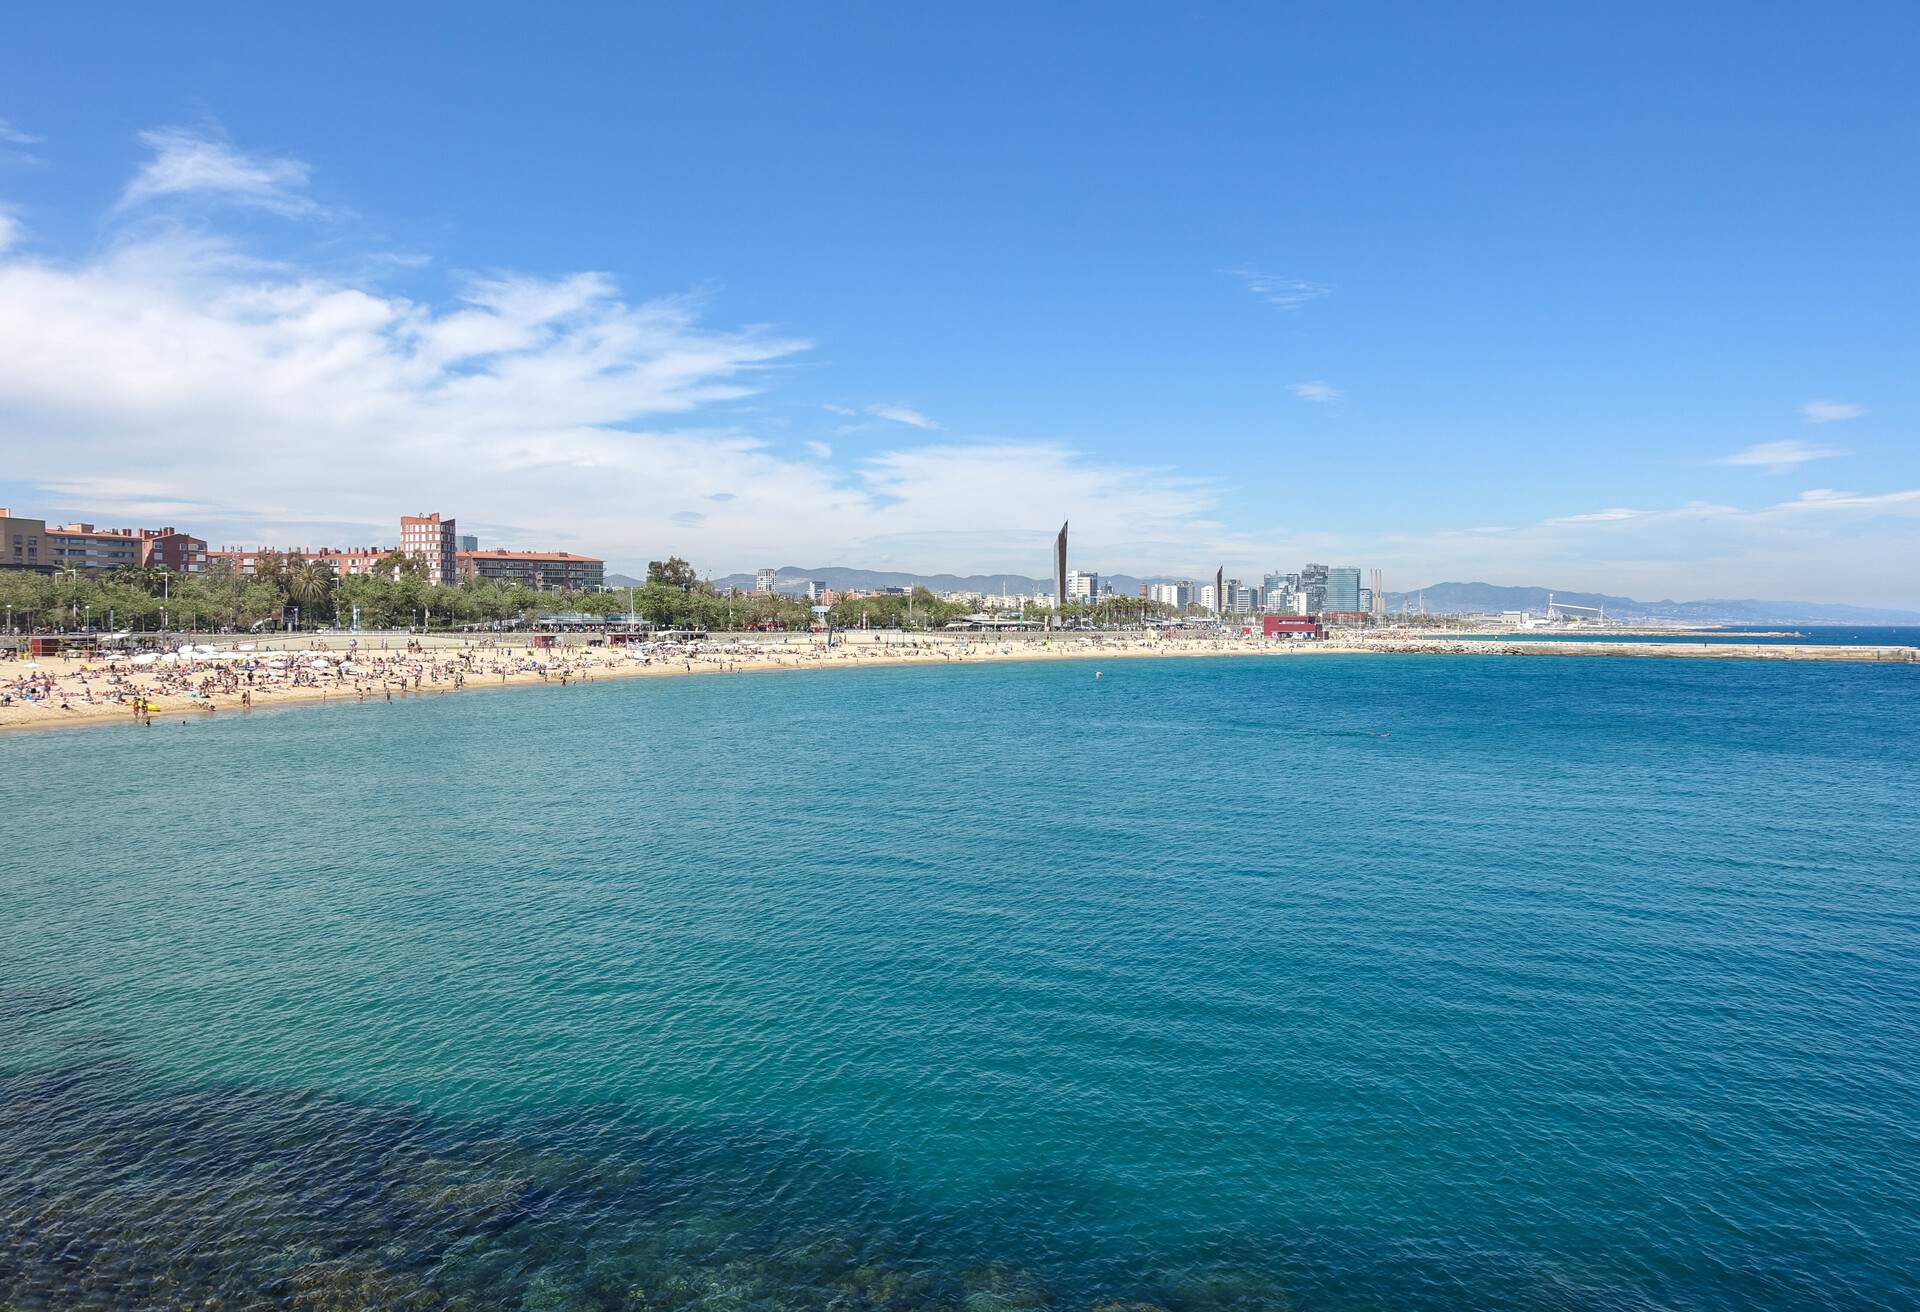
point(1599, 516)
point(1287, 293)
point(900, 414)
point(1316, 391)
point(1821, 546)
point(830, 408)
point(175, 379)
point(189, 163)
point(10, 229)
point(1827, 412)
point(171, 377)
point(13, 144)
point(1826, 499)
point(1779, 457)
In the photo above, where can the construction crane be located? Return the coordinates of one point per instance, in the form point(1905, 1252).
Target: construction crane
point(1558, 610)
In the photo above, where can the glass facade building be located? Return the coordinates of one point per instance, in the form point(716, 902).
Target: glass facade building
point(1343, 590)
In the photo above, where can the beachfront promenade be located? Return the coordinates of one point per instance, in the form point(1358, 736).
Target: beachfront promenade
point(241, 674)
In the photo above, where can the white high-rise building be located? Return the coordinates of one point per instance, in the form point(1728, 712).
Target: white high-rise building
point(1083, 585)
point(763, 579)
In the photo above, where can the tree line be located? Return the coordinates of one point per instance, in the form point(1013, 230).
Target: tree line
point(284, 591)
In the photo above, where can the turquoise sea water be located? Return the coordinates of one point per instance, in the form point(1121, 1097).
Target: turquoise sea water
point(1774, 635)
point(1339, 982)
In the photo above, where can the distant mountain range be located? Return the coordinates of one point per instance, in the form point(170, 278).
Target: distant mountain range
point(1488, 598)
point(1440, 598)
point(792, 578)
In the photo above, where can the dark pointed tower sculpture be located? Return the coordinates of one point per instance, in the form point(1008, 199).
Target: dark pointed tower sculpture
point(1060, 568)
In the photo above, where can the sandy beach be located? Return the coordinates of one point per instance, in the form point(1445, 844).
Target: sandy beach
point(229, 675)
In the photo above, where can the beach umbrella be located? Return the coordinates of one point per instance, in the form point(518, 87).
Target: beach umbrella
point(145, 658)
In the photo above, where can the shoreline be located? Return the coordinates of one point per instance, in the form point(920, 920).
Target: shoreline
point(445, 664)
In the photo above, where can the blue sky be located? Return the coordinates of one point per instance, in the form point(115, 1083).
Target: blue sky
point(1608, 297)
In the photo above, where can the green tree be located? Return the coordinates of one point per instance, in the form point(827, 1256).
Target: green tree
point(400, 564)
point(310, 586)
point(151, 579)
point(674, 572)
point(271, 568)
point(260, 600)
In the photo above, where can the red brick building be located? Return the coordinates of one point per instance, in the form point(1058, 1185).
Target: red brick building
point(550, 571)
point(431, 538)
point(171, 549)
point(345, 560)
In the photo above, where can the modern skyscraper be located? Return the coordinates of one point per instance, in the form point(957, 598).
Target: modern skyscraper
point(1342, 591)
point(1313, 582)
point(763, 579)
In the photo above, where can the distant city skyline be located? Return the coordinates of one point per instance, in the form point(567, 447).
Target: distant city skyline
point(904, 295)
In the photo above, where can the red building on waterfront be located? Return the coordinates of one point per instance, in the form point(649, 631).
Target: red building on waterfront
point(1291, 626)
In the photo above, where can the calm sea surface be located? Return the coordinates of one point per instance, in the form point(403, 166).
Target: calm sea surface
point(1345, 982)
point(1774, 635)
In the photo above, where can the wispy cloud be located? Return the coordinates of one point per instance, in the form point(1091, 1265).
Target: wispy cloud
point(188, 163)
point(1287, 293)
point(900, 414)
point(10, 228)
point(515, 400)
point(13, 144)
point(1822, 498)
point(1779, 457)
point(1316, 391)
point(833, 409)
point(1827, 412)
point(1608, 516)
point(1809, 547)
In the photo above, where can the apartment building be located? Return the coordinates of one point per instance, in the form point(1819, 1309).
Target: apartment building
point(547, 570)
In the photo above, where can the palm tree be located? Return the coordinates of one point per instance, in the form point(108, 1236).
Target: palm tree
point(148, 578)
point(309, 583)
